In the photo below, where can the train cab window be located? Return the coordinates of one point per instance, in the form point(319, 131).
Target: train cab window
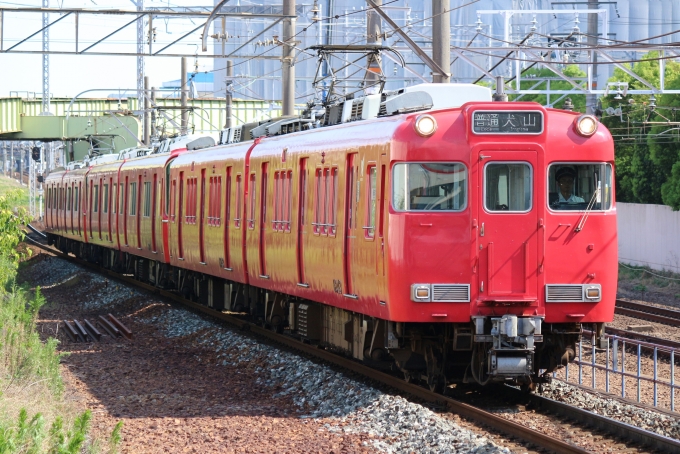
point(429, 186)
point(508, 186)
point(580, 186)
point(133, 199)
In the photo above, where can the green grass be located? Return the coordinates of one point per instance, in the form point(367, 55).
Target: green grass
point(8, 184)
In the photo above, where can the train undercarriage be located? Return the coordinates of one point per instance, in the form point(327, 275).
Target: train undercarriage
point(516, 350)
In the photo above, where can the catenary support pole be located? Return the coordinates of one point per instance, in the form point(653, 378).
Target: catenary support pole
point(147, 139)
point(154, 133)
point(591, 100)
point(441, 39)
point(183, 98)
point(228, 93)
point(287, 56)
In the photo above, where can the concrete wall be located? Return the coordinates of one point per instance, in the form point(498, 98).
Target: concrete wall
point(649, 235)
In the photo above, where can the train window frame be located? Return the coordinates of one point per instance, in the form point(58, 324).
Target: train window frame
point(532, 184)
point(333, 221)
point(609, 174)
point(407, 209)
point(277, 201)
point(69, 199)
point(75, 199)
point(288, 200)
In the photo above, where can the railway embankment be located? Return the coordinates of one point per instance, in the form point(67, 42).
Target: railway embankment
point(188, 383)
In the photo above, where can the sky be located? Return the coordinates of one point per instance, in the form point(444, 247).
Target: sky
point(70, 74)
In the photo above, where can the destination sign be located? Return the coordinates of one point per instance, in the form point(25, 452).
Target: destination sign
point(507, 122)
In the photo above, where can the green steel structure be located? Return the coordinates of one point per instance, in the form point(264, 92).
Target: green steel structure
point(113, 124)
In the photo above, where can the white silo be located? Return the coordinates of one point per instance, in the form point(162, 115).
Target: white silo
point(638, 18)
point(667, 25)
point(655, 20)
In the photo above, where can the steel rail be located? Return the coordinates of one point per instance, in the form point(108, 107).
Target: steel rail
point(647, 312)
point(478, 415)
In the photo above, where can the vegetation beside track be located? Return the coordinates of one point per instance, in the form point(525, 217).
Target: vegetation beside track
point(34, 418)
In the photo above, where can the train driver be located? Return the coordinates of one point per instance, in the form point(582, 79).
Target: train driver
point(565, 183)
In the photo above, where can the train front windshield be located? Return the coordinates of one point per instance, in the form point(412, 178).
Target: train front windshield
point(574, 186)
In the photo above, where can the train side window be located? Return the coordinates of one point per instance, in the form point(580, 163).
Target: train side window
point(381, 213)
point(121, 196)
point(318, 207)
point(371, 201)
point(429, 186)
point(239, 207)
point(580, 186)
point(508, 186)
point(218, 203)
point(147, 199)
point(253, 200)
point(333, 202)
point(227, 209)
point(105, 206)
point(96, 198)
point(276, 219)
point(133, 199)
point(69, 202)
point(173, 195)
point(289, 199)
point(75, 199)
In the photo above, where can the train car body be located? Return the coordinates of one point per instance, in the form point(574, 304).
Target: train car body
point(469, 242)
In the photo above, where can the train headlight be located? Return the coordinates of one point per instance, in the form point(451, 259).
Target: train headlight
point(592, 292)
point(425, 125)
point(420, 293)
point(586, 125)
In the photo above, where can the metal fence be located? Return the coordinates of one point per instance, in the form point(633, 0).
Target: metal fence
point(625, 367)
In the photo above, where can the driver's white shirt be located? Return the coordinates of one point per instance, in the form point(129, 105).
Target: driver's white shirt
point(572, 199)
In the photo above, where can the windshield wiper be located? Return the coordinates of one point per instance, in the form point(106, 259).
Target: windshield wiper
point(591, 204)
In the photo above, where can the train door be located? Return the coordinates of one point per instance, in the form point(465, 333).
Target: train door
point(110, 203)
point(78, 204)
point(98, 206)
point(302, 207)
point(90, 205)
point(351, 203)
point(508, 262)
point(138, 212)
point(263, 220)
point(227, 219)
point(201, 220)
point(380, 243)
point(153, 213)
point(126, 188)
point(180, 221)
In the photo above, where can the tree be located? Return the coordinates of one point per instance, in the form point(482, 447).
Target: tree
point(646, 142)
point(556, 83)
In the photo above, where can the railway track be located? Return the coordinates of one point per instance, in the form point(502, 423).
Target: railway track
point(647, 312)
point(526, 435)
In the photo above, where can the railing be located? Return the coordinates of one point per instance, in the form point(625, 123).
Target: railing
point(625, 366)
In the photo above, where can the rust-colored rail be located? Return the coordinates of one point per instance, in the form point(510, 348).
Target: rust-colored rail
point(648, 312)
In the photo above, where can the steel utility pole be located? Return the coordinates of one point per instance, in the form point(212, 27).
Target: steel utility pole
point(46, 60)
point(591, 100)
point(228, 93)
point(287, 56)
point(373, 36)
point(183, 98)
point(441, 39)
point(140, 58)
point(154, 132)
point(146, 123)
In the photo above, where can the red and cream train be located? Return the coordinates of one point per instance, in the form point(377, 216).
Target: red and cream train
point(438, 240)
